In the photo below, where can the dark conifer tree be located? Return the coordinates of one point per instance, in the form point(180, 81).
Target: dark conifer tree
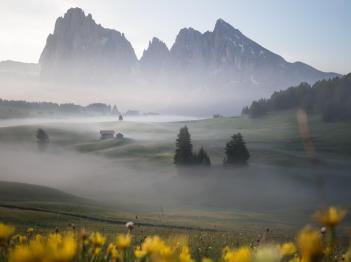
point(202, 158)
point(115, 110)
point(236, 151)
point(42, 136)
point(184, 148)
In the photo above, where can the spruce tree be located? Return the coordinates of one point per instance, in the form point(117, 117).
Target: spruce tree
point(202, 158)
point(184, 148)
point(236, 151)
point(115, 110)
point(42, 136)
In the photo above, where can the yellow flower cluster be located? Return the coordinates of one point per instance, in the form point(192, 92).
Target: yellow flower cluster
point(311, 245)
point(55, 247)
point(6, 232)
point(331, 216)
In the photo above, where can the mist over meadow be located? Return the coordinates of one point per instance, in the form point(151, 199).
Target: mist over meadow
point(134, 182)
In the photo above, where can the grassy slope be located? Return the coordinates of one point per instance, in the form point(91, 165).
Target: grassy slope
point(273, 139)
point(12, 191)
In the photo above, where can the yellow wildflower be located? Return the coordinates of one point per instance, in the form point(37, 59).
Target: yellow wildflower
point(139, 252)
point(34, 251)
point(97, 239)
point(309, 243)
point(38, 249)
point(22, 239)
point(96, 251)
point(6, 231)
point(185, 255)
point(112, 251)
point(123, 241)
point(61, 248)
point(156, 248)
point(287, 249)
point(38, 237)
point(331, 216)
point(206, 259)
point(243, 254)
point(152, 244)
point(30, 230)
point(110, 247)
point(21, 254)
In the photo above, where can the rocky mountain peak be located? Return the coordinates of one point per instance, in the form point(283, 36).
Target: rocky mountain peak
point(222, 57)
point(155, 57)
point(78, 44)
point(156, 45)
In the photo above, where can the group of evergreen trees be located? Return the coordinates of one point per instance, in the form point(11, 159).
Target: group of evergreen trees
point(330, 98)
point(17, 108)
point(235, 150)
point(184, 154)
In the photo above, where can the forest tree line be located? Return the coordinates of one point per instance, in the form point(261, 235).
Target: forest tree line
point(330, 98)
point(18, 108)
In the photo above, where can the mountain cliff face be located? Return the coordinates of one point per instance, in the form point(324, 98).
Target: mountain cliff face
point(222, 61)
point(79, 46)
point(155, 59)
point(226, 57)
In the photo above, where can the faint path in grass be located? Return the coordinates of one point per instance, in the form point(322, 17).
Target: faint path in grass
point(108, 221)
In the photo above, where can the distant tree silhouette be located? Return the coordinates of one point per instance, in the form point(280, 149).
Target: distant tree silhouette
point(184, 148)
point(120, 117)
point(330, 98)
point(258, 108)
point(202, 158)
point(42, 139)
point(42, 136)
point(245, 110)
point(236, 151)
point(115, 110)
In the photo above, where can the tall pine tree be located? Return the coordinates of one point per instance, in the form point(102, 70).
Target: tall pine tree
point(236, 151)
point(202, 158)
point(184, 148)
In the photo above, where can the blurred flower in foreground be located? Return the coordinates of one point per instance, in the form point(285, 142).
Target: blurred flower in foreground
point(330, 217)
point(287, 249)
point(61, 248)
point(112, 252)
point(242, 254)
point(185, 255)
point(6, 231)
point(123, 241)
point(97, 239)
point(56, 248)
point(310, 244)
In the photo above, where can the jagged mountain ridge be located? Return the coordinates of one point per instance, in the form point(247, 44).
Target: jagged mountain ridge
point(225, 55)
point(79, 45)
point(222, 57)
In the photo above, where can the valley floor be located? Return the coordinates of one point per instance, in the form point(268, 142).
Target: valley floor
point(135, 177)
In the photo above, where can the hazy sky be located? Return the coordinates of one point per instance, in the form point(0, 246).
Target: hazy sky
point(315, 31)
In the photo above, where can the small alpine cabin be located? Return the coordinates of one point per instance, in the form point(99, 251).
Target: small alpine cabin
point(107, 134)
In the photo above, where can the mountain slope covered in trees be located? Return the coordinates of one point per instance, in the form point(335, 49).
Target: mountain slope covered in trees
point(331, 98)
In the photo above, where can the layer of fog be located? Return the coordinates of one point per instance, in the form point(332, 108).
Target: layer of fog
point(140, 184)
point(92, 119)
point(159, 96)
point(143, 185)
